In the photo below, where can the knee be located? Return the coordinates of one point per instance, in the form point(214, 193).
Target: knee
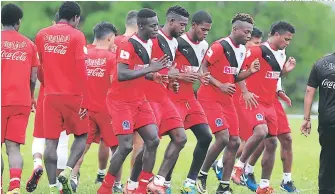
point(153, 143)
point(126, 147)
point(205, 139)
point(286, 142)
point(180, 141)
point(271, 143)
point(234, 142)
point(12, 147)
point(261, 131)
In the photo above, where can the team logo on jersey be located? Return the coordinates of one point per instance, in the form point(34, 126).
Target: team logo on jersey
point(203, 53)
point(218, 122)
point(230, 70)
point(259, 117)
point(209, 52)
point(242, 55)
point(272, 75)
point(126, 125)
point(124, 54)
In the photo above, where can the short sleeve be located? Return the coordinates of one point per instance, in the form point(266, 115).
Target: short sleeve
point(35, 58)
point(214, 53)
point(81, 49)
point(126, 54)
point(313, 80)
point(38, 45)
point(252, 54)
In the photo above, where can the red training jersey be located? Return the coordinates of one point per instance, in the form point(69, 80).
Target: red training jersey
point(62, 50)
point(169, 44)
point(264, 82)
point(222, 69)
point(18, 56)
point(189, 57)
point(99, 64)
point(130, 90)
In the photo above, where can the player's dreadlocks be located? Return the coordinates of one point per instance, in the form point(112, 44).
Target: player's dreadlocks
point(178, 10)
point(244, 17)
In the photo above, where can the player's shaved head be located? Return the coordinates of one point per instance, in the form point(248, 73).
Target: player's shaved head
point(176, 20)
point(143, 16)
point(147, 22)
point(131, 18)
point(176, 12)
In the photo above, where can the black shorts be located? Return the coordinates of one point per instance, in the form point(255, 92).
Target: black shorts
point(327, 158)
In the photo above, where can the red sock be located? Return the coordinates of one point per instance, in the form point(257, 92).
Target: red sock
point(144, 178)
point(15, 177)
point(108, 181)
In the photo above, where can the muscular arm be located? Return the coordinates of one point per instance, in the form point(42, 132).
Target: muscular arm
point(309, 96)
point(33, 78)
point(243, 86)
point(124, 73)
point(243, 75)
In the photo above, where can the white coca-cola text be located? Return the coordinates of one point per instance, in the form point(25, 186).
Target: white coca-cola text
point(56, 38)
point(96, 72)
point(57, 49)
point(96, 62)
point(15, 56)
point(328, 84)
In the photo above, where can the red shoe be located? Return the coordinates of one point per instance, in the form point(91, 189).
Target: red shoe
point(156, 189)
point(34, 178)
point(236, 175)
point(267, 190)
point(105, 190)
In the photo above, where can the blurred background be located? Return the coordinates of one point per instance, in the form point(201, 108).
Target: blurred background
point(314, 23)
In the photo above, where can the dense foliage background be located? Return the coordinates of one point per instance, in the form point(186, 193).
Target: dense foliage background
point(314, 24)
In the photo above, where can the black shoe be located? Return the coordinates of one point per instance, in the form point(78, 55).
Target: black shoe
point(224, 189)
point(201, 184)
point(99, 179)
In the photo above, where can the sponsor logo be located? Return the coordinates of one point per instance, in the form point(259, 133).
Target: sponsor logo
point(14, 56)
point(218, 122)
point(328, 84)
point(272, 75)
point(230, 70)
point(57, 49)
point(57, 38)
point(259, 117)
point(124, 54)
point(126, 125)
point(96, 72)
point(96, 62)
point(13, 45)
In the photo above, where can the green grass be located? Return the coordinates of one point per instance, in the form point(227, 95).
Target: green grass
point(305, 166)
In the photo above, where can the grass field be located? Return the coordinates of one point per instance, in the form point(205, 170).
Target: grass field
point(305, 167)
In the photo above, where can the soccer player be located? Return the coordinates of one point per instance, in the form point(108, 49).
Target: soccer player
point(19, 61)
point(126, 101)
point(223, 60)
point(38, 144)
point(322, 76)
point(191, 50)
point(100, 62)
point(260, 114)
point(167, 116)
point(62, 49)
point(255, 40)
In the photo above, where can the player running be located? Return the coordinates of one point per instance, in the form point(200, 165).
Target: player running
point(191, 50)
point(224, 60)
point(126, 101)
point(19, 62)
point(167, 116)
point(261, 114)
point(38, 144)
point(62, 49)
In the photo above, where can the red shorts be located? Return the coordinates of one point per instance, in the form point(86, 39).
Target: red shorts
point(283, 125)
point(61, 112)
point(263, 114)
point(14, 121)
point(129, 116)
point(100, 127)
point(191, 112)
point(167, 116)
point(221, 116)
point(38, 124)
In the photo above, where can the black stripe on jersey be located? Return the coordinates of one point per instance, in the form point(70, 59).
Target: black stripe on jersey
point(140, 50)
point(164, 45)
point(186, 49)
point(270, 58)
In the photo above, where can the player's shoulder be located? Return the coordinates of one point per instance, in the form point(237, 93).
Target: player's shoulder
point(327, 61)
point(253, 51)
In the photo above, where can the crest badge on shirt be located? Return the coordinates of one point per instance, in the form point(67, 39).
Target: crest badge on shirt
point(126, 125)
point(259, 117)
point(218, 122)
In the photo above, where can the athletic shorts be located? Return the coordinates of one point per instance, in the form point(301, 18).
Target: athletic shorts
point(263, 114)
point(191, 112)
point(221, 116)
point(283, 124)
point(167, 116)
point(100, 127)
point(14, 121)
point(127, 117)
point(38, 124)
point(327, 158)
point(61, 112)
